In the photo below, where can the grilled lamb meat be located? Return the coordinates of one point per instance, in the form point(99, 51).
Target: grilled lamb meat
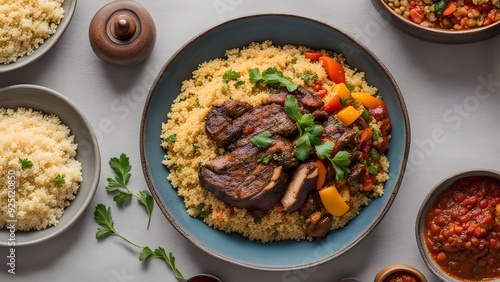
point(344, 137)
point(306, 99)
point(219, 122)
point(231, 124)
point(250, 177)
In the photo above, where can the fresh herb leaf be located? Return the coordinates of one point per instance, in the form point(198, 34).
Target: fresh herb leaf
point(324, 150)
point(309, 76)
point(172, 138)
point(121, 166)
point(238, 83)
point(262, 140)
point(303, 148)
point(341, 164)
point(272, 76)
point(230, 74)
point(439, 7)
point(374, 154)
point(292, 108)
point(294, 60)
point(196, 148)
point(59, 180)
point(25, 163)
point(145, 198)
point(373, 169)
point(169, 260)
point(103, 217)
point(349, 86)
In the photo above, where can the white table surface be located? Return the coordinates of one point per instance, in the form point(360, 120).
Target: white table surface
point(452, 95)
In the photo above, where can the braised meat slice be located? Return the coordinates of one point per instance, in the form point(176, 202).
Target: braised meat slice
point(250, 177)
point(220, 119)
point(356, 176)
point(305, 98)
point(270, 118)
point(344, 137)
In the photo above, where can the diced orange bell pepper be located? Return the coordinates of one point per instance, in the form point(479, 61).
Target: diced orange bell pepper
point(333, 201)
point(367, 100)
point(341, 90)
point(348, 115)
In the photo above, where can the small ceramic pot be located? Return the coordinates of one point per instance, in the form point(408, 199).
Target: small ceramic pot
point(387, 271)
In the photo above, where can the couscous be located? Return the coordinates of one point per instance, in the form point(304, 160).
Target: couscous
point(190, 148)
point(38, 167)
point(25, 25)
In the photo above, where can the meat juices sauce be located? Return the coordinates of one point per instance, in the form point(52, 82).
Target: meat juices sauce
point(462, 229)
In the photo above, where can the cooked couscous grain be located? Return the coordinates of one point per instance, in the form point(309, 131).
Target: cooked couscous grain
point(25, 25)
point(188, 146)
point(36, 149)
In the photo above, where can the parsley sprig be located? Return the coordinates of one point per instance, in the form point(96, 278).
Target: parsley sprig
point(272, 76)
point(309, 131)
point(59, 180)
point(121, 166)
point(103, 217)
point(309, 137)
point(340, 162)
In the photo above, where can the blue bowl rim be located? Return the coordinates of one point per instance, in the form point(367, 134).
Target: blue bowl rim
point(172, 221)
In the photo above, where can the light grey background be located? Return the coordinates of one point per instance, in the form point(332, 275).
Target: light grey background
point(453, 129)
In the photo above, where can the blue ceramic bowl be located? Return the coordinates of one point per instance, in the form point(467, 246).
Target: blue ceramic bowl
point(281, 29)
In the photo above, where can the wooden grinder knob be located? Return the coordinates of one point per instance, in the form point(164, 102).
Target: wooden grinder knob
point(122, 33)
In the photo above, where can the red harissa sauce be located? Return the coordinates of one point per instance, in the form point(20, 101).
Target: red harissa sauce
point(462, 229)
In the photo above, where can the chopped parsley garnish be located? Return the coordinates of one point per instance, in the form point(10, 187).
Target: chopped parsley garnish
point(25, 163)
point(172, 138)
point(59, 180)
point(263, 158)
point(230, 74)
point(349, 86)
point(309, 76)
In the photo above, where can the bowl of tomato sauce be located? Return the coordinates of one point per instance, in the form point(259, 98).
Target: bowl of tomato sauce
point(443, 21)
point(458, 227)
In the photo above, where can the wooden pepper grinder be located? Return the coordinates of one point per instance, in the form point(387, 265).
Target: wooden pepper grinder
point(122, 33)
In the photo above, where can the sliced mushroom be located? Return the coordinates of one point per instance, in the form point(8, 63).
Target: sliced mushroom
point(298, 188)
point(319, 228)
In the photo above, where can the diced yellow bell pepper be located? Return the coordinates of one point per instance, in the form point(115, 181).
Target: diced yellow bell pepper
point(367, 100)
point(341, 90)
point(348, 115)
point(332, 201)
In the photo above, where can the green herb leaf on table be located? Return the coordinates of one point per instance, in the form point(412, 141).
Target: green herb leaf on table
point(25, 163)
point(262, 140)
point(103, 217)
point(121, 166)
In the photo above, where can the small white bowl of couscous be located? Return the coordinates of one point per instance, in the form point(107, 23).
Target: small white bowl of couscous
point(50, 164)
point(32, 29)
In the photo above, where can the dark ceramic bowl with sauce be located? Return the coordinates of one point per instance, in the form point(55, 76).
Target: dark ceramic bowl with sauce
point(458, 227)
point(434, 34)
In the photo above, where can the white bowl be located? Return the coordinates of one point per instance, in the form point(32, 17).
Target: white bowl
point(69, 7)
point(51, 102)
